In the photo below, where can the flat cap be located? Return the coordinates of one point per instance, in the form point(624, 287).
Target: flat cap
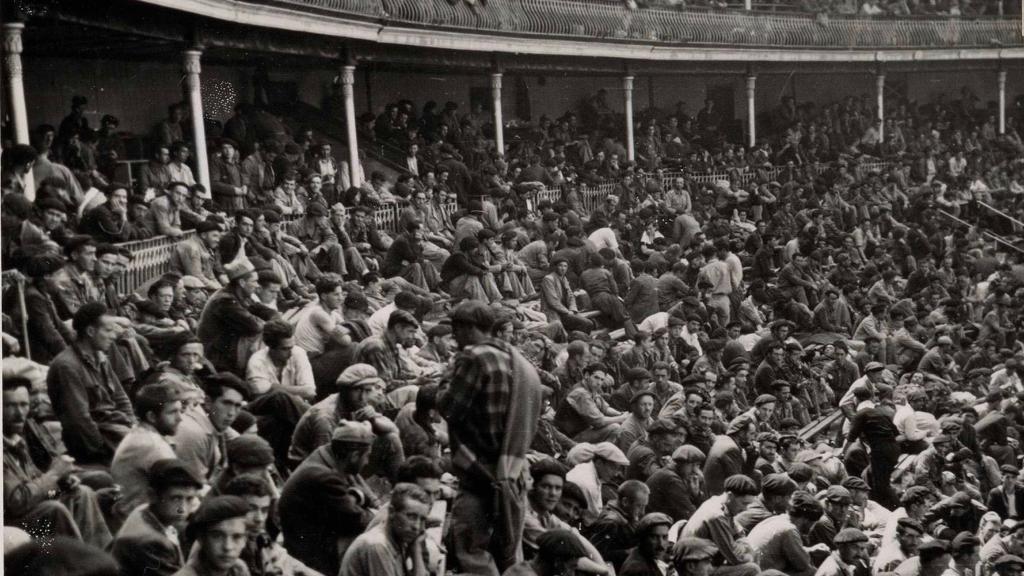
point(473, 312)
point(1009, 469)
point(855, 483)
point(358, 375)
point(850, 536)
point(559, 544)
point(838, 495)
point(239, 268)
point(765, 399)
point(662, 426)
point(170, 472)
point(676, 321)
point(741, 485)
point(636, 397)
point(692, 549)
point(873, 366)
point(963, 541)
point(610, 452)
point(1008, 562)
point(250, 451)
point(907, 523)
point(782, 324)
point(352, 433)
point(929, 551)
point(913, 494)
point(637, 373)
point(651, 520)
point(688, 453)
point(438, 330)
point(316, 209)
point(400, 317)
point(191, 282)
point(777, 485)
point(806, 505)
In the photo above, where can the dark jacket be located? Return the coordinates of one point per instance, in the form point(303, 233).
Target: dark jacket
point(642, 298)
point(998, 503)
point(671, 495)
point(225, 321)
point(143, 549)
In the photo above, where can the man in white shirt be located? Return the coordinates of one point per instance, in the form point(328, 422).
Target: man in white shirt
point(913, 438)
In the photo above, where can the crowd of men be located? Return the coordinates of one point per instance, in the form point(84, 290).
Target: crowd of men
point(811, 366)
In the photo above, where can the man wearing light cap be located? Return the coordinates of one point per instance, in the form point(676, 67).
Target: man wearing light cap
point(356, 385)
point(652, 544)
point(778, 542)
point(837, 507)
point(227, 325)
point(936, 361)
point(908, 538)
point(492, 401)
point(634, 428)
point(692, 556)
point(558, 300)
point(713, 520)
point(677, 490)
point(929, 465)
point(325, 503)
point(1007, 499)
point(197, 257)
point(850, 555)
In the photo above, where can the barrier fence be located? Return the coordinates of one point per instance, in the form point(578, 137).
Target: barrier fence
point(694, 27)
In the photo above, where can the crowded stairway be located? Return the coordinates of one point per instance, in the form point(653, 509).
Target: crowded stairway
point(801, 357)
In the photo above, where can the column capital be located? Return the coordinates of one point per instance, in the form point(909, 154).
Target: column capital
point(751, 81)
point(496, 80)
point(627, 83)
point(348, 74)
point(880, 78)
point(1002, 77)
point(12, 37)
point(191, 61)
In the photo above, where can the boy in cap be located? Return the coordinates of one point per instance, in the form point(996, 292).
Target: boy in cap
point(652, 544)
point(677, 489)
point(148, 542)
point(218, 531)
point(693, 556)
point(837, 506)
point(849, 556)
point(774, 499)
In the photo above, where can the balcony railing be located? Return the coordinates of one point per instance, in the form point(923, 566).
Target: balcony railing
point(579, 19)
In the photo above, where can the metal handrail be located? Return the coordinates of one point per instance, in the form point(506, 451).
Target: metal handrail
point(615, 22)
point(994, 237)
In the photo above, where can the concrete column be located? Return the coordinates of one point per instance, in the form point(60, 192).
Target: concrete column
point(499, 124)
point(880, 89)
point(16, 91)
point(627, 87)
point(747, 5)
point(348, 80)
point(1002, 101)
point(195, 101)
point(751, 113)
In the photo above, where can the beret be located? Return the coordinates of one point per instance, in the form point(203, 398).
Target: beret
point(170, 472)
point(662, 426)
point(741, 485)
point(651, 520)
point(691, 549)
point(767, 437)
point(355, 301)
point(407, 300)
point(558, 259)
point(806, 505)
point(43, 204)
point(214, 510)
point(401, 317)
point(637, 373)
point(474, 313)
point(960, 499)
point(776, 384)
point(547, 467)
point(765, 399)
point(801, 472)
point(572, 491)
point(714, 345)
point(468, 244)
point(272, 216)
point(206, 226)
point(41, 265)
point(352, 433)
point(850, 536)
point(688, 453)
point(838, 494)
point(76, 242)
point(914, 493)
point(358, 375)
point(932, 549)
point(243, 422)
point(907, 523)
point(676, 321)
point(316, 209)
point(250, 451)
point(964, 540)
point(873, 366)
point(855, 483)
point(439, 330)
point(559, 544)
point(777, 485)
point(640, 395)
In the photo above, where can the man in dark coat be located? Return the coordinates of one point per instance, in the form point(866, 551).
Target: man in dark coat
point(227, 327)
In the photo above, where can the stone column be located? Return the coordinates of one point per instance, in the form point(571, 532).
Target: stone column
point(751, 112)
point(880, 93)
point(16, 91)
point(348, 80)
point(195, 101)
point(1002, 101)
point(627, 87)
point(499, 125)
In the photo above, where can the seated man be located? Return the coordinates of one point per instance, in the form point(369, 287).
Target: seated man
point(558, 300)
point(147, 543)
point(219, 530)
point(405, 259)
point(386, 549)
point(325, 504)
point(50, 503)
point(713, 520)
point(383, 353)
point(201, 439)
point(94, 411)
point(351, 403)
point(465, 275)
point(585, 415)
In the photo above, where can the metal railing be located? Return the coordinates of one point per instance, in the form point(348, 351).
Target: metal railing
point(615, 22)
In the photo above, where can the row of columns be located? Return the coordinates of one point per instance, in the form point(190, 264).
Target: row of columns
point(13, 76)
